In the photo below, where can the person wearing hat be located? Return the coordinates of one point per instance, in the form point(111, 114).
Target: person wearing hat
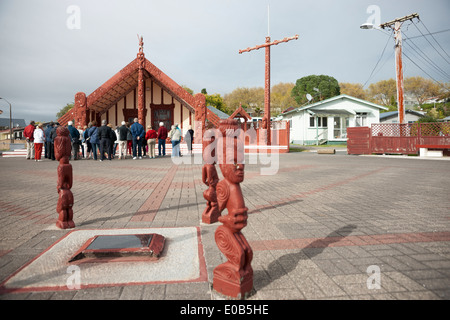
point(28, 134)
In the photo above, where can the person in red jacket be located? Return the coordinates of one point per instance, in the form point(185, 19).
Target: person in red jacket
point(151, 136)
point(28, 133)
point(162, 136)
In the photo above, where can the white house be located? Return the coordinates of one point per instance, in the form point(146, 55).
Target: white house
point(326, 122)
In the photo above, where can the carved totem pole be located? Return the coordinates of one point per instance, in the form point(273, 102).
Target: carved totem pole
point(233, 278)
point(64, 184)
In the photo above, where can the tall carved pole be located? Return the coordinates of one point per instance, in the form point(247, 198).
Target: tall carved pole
point(64, 206)
point(233, 278)
point(141, 82)
point(81, 111)
point(200, 118)
point(266, 118)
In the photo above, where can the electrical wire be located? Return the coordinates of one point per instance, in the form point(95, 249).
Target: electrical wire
point(434, 38)
point(446, 30)
point(439, 83)
point(431, 43)
point(411, 44)
point(381, 57)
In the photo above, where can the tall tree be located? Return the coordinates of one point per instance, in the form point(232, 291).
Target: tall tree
point(422, 89)
point(321, 87)
point(383, 92)
point(248, 97)
point(216, 101)
point(280, 97)
point(353, 89)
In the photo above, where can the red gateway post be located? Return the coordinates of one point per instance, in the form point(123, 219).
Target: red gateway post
point(266, 118)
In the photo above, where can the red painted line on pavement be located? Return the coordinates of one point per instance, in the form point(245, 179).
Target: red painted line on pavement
point(149, 209)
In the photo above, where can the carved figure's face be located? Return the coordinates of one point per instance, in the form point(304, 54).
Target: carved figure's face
point(233, 172)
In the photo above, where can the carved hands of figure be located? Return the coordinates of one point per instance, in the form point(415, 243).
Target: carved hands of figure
point(210, 178)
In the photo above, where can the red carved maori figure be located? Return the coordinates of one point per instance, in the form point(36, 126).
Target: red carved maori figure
point(235, 277)
point(65, 178)
point(210, 178)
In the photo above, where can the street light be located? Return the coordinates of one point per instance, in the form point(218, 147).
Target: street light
point(10, 121)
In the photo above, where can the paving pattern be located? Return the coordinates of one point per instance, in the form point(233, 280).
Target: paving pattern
point(323, 227)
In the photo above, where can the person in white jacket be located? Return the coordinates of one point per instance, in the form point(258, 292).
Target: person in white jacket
point(175, 137)
point(39, 139)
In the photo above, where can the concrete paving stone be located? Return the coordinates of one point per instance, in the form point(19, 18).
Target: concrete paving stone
point(310, 197)
point(154, 292)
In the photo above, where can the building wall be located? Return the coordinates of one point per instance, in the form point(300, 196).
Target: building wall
point(154, 94)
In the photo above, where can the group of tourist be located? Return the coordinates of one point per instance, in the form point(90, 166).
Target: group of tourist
point(100, 143)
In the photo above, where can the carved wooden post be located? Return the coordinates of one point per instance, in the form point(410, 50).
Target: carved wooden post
point(64, 206)
point(80, 107)
point(233, 278)
point(141, 82)
point(200, 117)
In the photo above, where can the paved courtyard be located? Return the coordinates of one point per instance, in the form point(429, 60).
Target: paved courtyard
point(323, 227)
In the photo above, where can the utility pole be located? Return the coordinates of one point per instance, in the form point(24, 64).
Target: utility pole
point(396, 26)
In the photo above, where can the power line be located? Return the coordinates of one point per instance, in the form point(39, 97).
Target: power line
point(425, 57)
point(381, 57)
point(423, 70)
point(446, 30)
point(434, 38)
point(431, 43)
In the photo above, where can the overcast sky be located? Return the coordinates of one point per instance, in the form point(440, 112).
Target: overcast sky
point(50, 50)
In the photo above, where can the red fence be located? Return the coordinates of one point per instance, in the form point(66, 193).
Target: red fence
point(397, 138)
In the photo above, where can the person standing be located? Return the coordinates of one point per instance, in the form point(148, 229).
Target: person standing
point(162, 136)
point(122, 136)
point(129, 140)
point(116, 142)
point(48, 141)
point(189, 138)
point(93, 138)
point(39, 139)
point(175, 136)
point(82, 144)
point(28, 134)
point(138, 133)
point(87, 141)
point(112, 141)
point(53, 135)
point(151, 136)
point(74, 139)
point(104, 135)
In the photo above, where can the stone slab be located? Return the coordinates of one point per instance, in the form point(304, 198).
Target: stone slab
point(182, 260)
